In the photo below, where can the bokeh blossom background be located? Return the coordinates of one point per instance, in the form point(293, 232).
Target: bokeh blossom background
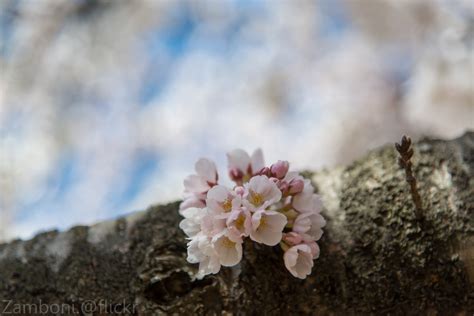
point(105, 105)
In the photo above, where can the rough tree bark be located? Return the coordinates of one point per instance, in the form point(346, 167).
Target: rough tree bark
point(376, 257)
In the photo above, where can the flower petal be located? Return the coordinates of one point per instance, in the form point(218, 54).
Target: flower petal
point(206, 169)
point(191, 224)
point(239, 159)
point(195, 184)
point(267, 227)
point(257, 161)
point(228, 251)
point(191, 201)
point(261, 192)
point(301, 267)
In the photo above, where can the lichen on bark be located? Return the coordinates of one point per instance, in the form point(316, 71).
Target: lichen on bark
point(376, 257)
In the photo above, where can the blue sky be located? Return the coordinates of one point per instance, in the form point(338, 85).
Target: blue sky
point(108, 114)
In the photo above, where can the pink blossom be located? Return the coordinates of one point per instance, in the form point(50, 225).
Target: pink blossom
point(292, 238)
point(239, 223)
point(206, 169)
point(223, 200)
point(265, 201)
point(299, 260)
point(197, 185)
point(205, 177)
point(200, 250)
point(197, 220)
point(228, 250)
point(199, 247)
point(267, 227)
point(213, 223)
point(310, 223)
point(314, 248)
point(242, 166)
point(208, 265)
point(307, 201)
point(236, 175)
point(191, 224)
point(261, 192)
point(192, 201)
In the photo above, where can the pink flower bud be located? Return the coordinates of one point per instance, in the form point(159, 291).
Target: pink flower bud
point(280, 168)
point(240, 191)
point(292, 238)
point(283, 186)
point(275, 180)
point(265, 171)
point(296, 186)
point(236, 174)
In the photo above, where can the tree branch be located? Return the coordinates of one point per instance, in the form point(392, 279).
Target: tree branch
point(374, 259)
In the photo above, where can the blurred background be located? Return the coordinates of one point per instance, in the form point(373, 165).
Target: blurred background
point(105, 105)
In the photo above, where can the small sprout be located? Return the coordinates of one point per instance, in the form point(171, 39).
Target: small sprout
point(406, 152)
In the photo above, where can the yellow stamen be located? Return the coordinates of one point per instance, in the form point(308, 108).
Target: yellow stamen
point(227, 205)
point(255, 198)
point(239, 222)
point(291, 214)
point(263, 223)
point(228, 243)
point(246, 178)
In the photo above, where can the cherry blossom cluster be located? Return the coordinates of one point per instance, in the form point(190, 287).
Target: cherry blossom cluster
point(269, 205)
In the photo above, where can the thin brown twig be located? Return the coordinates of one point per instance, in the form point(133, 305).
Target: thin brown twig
point(406, 152)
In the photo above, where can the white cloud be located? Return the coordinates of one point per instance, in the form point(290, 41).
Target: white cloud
point(274, 80)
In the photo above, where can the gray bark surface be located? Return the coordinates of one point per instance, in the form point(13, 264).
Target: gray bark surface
point(376, 257)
